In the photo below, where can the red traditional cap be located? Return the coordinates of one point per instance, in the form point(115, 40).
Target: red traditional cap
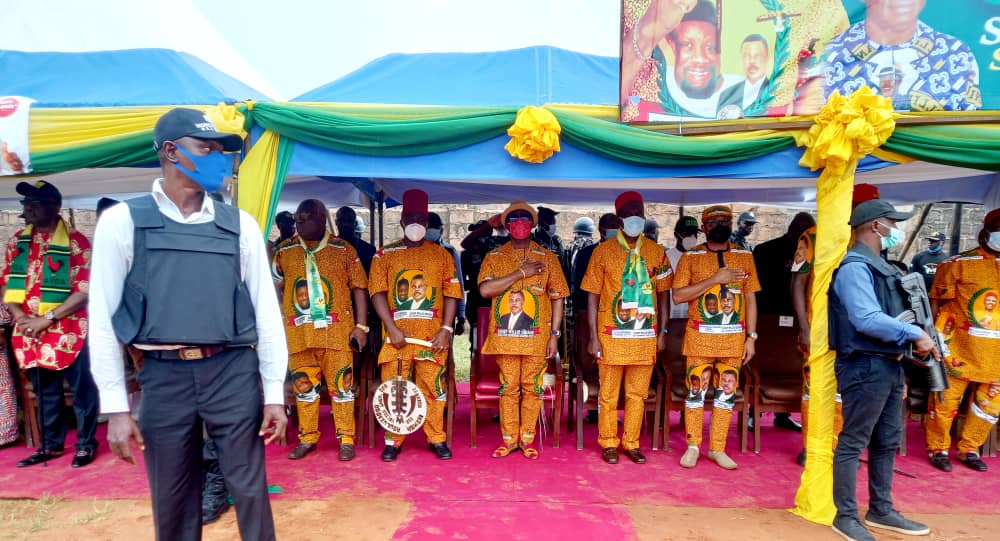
point(864, 192)
point(992, 216)
point(415, 201)
point(626, 198)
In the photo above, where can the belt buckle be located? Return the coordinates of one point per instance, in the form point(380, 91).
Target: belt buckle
point(191, 354)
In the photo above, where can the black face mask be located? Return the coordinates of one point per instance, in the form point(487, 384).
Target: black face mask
point(720, 233)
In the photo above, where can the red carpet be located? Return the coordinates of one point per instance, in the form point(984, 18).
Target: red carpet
point(476, 497)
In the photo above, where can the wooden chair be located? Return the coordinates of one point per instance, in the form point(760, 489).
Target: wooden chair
point(675, 365)
point(484, 383)
point(583, 369)
point(775, 372)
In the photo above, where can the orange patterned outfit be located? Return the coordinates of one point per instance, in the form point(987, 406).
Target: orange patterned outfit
point(519, 339)
point(628, 339)
point(416, 280)
point(967, 287)
point(805, 255)
point(322, 351)
point(713, 341)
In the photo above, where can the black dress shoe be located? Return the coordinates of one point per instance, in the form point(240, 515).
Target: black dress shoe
point(635, 455)
point(441, 450)
point(801, 458)
point(83, 457)
point(390, 453)
point(591, 418)
point(346, 452)
point(301, 450)
point(940, 461)
point(785, 421)
point(610, 455)
point(973, 461)
point(39, 456)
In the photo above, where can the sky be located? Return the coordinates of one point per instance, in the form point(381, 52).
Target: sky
point(298, 45)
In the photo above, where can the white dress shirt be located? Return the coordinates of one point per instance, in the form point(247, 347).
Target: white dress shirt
point(111, 260)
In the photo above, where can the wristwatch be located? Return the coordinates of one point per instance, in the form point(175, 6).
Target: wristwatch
point(556, 332)
point(51, 316)
point(665, 330)
point(752, 335)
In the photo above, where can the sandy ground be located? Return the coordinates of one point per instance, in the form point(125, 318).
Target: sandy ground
point(378, 518)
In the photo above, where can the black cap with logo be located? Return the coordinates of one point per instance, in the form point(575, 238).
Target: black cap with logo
point(184, 122)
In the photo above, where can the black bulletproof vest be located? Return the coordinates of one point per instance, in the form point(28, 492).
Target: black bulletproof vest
point(185, 285)
point(844, 337)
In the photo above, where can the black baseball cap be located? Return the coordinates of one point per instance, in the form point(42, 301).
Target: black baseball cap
point(874, 209)
point(687, 225)
point(184, 122)
point(40, 190)
point(546, 211)
point(937, 235)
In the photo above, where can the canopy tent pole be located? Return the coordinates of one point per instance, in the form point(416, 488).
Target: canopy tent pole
point(956, 230)
point(371, 220)
point(381, 219)
point(912, 238)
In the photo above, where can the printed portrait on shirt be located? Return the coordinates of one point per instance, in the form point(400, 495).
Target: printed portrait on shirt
point(411, 292)
point(721, 305)
point(804, 251)
point(630, 318)
point(305, 383)
point(984, 309)
point(301, 301)
point(516, 313)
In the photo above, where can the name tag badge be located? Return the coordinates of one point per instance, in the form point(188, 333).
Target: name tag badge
point(786, 321)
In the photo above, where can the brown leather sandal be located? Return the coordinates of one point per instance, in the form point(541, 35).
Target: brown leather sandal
point(503, 451)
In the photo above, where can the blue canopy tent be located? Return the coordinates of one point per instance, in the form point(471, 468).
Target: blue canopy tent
point(542, 75)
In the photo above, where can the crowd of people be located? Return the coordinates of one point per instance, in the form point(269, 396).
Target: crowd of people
point(299, 309)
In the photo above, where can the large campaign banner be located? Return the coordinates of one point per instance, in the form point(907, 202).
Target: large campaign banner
point(730, 59)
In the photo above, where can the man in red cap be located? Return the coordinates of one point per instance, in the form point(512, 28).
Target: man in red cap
point(627, 279)
point(432, 298)
point(966, 289)
point(716, 269)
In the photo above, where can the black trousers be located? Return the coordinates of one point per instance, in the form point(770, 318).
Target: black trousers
point(48, 386)
point(180, 398)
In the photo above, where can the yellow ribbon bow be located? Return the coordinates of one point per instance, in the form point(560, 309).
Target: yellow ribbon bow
point(534, 137)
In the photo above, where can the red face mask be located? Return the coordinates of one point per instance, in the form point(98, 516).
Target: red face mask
point(520, 229)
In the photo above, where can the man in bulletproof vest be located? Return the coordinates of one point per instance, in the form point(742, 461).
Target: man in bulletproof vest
point(186, 279)
point(865, 297)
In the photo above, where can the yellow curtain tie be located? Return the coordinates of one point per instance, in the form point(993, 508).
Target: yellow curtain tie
point(534, 137)
point(846, 129)
point(227, 118)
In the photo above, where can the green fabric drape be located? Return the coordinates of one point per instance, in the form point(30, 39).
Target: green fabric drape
point(965, 145)
point(643, 147)
point(286, 148)
point(408, 132)
point(127, 151)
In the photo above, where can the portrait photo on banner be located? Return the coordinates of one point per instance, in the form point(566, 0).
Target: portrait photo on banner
point(730, 59)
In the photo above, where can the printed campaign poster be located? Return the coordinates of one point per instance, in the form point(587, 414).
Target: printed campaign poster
point(730, 59)
point(14, 129)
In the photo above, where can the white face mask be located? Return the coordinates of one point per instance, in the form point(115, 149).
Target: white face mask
point(433, 235)
point(551, 230)
point(415, 232)
point(894, 238)
point(994, 241)
point(633, 226)
point(688, 243)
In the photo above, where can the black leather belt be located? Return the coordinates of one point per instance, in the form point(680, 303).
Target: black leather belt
point(184, 354)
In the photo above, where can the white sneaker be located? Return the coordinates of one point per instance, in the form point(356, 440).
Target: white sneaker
point(722, 459)
point(690, 457)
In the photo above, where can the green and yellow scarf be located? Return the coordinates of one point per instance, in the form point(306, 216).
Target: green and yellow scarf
point(55, 270)
point(637, 289)
point(317, 301)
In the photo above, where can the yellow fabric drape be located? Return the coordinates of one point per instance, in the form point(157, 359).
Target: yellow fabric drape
point(257, 174)
point(845, 130)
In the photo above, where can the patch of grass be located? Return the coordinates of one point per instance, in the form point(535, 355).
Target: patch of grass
point(21, 518)
point(460, 350)
point(98, 513)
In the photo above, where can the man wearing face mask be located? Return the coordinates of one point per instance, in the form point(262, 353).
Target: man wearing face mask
point(711, 269)
point(520, 271)
point(631, 272)
point(320, 334)
point(435, 228)
point(545, 233)
point(433, 277)
point(744, 227)
point(685, 240)
point(925, 263)
point(967, 285)
point(346, 221)
point(186, 279)
point(865, 297)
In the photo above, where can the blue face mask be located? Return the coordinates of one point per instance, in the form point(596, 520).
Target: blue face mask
point(210, 170)
point(934, 249)
point(610, 234)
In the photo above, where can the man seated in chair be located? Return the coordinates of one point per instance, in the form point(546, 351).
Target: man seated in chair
point(716, 266)
point(525, 335)
point(632, 270)
point(325, 304)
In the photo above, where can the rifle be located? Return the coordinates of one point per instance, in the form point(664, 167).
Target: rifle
point(920, 315)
